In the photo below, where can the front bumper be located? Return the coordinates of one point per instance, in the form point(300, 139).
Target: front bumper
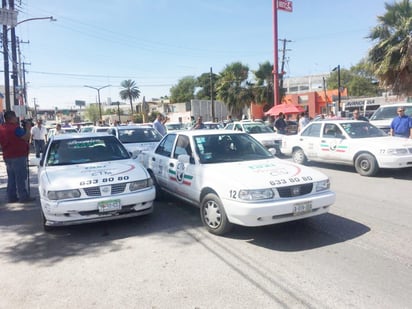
point(277, 211)
point(78, 211)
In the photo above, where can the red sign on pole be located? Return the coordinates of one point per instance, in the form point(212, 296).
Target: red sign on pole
point(285, 5)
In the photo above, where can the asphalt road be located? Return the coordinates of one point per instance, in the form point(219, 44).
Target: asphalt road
point(357, 256)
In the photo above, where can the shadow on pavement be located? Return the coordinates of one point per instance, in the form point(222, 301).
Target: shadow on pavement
point(21, 226)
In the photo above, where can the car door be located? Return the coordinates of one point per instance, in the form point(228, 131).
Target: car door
point(160, 160)
point(182, 171)
point(309, 140)
point(333, 143)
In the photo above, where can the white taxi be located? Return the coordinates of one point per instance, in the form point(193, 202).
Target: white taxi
point(234, 179)
point(349, 142)
point(266, 135)
point(136, 138)
point(88, 177)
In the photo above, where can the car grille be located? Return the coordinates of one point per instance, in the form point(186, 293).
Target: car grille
point(115, 189)
point(293, 191)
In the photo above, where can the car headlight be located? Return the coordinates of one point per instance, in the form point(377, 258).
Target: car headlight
point(63, 194)
point(322, 185)
point(397, 151)
point(255, 195)
point(141, 184)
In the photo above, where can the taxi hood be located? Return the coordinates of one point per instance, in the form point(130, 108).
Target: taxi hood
point(265, 173)
point(92, 174)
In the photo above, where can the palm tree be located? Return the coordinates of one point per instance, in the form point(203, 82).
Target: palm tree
point(130, 91)
point(263, 90)
point(391, 57)
point(233, 87)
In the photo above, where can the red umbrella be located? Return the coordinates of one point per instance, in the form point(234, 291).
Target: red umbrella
point(285, 108)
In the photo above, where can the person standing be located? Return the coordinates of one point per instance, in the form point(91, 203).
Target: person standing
point(199, 124)
point(357, 116)
point(401, 125)
point(38, 136)
point(159, 124)
point(280, 124)
point(303, 121)
point(14, 141)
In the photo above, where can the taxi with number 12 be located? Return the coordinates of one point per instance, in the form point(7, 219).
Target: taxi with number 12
point(234, 179)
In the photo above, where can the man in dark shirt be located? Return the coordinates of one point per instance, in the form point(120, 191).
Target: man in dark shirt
point(280, 124)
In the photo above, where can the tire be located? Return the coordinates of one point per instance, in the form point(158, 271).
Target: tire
point(214, 216)
point(159, 191)
point(366, 165)
point(299, 156)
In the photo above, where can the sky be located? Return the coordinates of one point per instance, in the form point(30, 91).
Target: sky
point(158, 42)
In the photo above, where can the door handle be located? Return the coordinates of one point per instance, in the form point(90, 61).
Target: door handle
point(171, 164)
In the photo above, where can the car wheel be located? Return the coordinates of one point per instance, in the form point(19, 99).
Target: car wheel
point(299, 156)
point(159, 191)
point(213, 215)
point(366, 165)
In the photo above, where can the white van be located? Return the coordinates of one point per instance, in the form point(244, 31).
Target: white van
point(383, 116)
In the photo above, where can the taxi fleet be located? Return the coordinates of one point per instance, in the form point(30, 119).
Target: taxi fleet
point(349, 142)
point(91, 177)
point(234, 179)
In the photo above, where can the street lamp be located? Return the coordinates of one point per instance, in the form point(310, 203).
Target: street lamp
point(14, 58)
point(98, 97)
point(338, 69)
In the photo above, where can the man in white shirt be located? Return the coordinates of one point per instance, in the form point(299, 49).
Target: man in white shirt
point(38, 136)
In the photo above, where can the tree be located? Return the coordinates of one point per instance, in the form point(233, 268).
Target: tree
point(233, 87)
point(391, 57)
point(205, 84)
point(92, 112)
point(129, 92)
point(263, 89)
point(358, 80)
point(184, 91)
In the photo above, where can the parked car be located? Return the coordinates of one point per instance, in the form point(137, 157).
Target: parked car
point(212, 125)
point(382, 117)
point(263, 133)
point(91, 177)
point(136, 138)
point(100, 129)
point(234, 179)
point(52, 132)
point(350, 142)
point(173, 126)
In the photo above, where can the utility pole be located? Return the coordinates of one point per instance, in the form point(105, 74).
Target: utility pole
point(6, 61)
point(282, 72)
point(24, 82)
point(211, 94)
point(14, 59)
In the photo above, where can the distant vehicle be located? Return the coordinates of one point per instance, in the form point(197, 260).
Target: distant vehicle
point(234, 179)
point(292, 127)
point(97, 129)
point(263, 133)
point(173, 126)
point(86, 129)
point(136, 138)
point(52, 132)
point(212, 125)
point(382, 117)
point(91, 177)
point(349, 142)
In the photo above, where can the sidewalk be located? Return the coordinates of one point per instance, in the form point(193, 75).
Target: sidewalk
point(32, 177)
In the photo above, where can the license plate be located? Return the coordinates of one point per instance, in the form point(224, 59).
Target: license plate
point(111, 205)
point(302, 208)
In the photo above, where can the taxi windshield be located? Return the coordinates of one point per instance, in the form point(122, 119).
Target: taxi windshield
point(218, 148)
point(362, 129)
point(85, 150)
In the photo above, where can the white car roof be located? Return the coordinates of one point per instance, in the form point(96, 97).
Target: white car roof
point(191, 133)
point(79, 135)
